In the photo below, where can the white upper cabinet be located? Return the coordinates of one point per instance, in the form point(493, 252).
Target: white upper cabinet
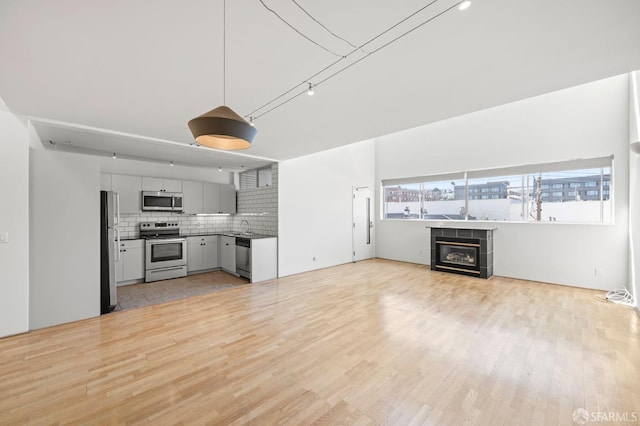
point(129, 189)
point(160, 184)
point(197, 197)
point(192, 197)
point(228, 199)
point(211, 198)
point(105, 182)
point(208, 198)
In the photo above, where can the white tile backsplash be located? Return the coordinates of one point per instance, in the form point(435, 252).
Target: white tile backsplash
point(259, 207)
point(189, 224)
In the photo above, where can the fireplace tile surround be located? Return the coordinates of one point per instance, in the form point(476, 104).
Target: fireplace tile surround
point(482, 238)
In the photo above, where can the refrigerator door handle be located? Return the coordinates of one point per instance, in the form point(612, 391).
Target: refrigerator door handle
point(117, 209)
point(117, 243)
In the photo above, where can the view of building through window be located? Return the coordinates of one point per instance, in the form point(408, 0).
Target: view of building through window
point(570, 195)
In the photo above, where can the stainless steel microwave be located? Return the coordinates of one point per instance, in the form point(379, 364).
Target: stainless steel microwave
point(161, 201)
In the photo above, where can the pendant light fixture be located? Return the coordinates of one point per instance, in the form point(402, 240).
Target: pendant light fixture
point(222, 128)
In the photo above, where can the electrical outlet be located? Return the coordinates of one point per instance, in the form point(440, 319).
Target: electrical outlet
point(4, 237)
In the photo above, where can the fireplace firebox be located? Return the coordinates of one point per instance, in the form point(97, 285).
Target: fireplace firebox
point(462, 251)
point(458, 254)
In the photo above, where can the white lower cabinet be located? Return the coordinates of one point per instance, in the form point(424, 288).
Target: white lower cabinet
point(264, 259)
point(130, 266)
point(202, 253)
point(228, 253)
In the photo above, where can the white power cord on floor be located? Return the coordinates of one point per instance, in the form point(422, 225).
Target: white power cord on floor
point(620, 296)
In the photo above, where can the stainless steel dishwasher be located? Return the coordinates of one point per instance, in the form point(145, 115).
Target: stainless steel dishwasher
point(243, 257)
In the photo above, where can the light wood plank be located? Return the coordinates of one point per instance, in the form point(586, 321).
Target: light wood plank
point(375, 342)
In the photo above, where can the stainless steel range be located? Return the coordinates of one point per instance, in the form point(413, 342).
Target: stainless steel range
point(165, 251)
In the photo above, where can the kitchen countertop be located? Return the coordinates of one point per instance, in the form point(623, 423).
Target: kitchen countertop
point(204, 234)
point(232, 234)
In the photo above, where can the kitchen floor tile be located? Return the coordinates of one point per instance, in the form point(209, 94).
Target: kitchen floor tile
point(144, 294)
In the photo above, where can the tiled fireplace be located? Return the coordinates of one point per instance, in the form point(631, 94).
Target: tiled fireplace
point(462, 251)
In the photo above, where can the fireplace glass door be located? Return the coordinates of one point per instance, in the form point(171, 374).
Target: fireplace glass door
point(458, 255)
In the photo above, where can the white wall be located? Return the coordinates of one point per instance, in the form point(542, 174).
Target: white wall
point(315, 206)
point(144, 168)
point(634, 226)
point(634, 186)
point(14, 219)
point(64, 238)
point(585, 121)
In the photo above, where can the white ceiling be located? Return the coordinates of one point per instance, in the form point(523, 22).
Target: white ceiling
point(126, 76)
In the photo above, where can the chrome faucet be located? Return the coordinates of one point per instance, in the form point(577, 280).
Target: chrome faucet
point(248, 226)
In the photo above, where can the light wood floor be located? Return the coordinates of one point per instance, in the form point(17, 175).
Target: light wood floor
point(376, 342)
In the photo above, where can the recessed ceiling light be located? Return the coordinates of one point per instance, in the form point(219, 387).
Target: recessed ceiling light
point(171, 163)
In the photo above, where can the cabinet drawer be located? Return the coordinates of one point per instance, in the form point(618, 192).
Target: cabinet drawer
point(130, 244)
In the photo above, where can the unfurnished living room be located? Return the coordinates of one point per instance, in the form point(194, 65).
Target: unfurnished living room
point(392, 213)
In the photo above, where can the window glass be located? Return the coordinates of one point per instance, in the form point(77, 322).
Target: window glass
point(444, 200)
point(255, 178)
point(264, 176)
point(505, 203)
point(552, 192)
point(249, 179)
point(440, 200)
point(402, 201)
point(577, 204)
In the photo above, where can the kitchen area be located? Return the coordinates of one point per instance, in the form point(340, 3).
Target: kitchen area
point(163, 239)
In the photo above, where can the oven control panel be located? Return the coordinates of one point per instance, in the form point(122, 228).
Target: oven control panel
point(152, 226)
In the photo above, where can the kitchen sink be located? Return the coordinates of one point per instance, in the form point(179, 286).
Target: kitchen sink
point(241, 234)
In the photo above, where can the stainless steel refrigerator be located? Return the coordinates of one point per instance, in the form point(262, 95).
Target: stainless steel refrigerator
point(109, 249)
